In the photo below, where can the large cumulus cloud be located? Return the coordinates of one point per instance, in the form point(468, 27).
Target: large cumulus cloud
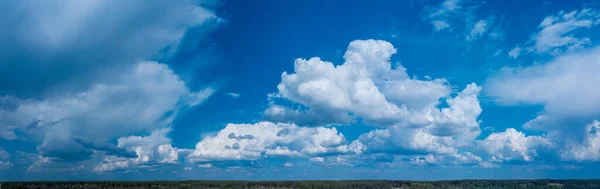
point(565, 88)
point(266, 139)
point(366, 88)
point(137, 100)
point(77, 76)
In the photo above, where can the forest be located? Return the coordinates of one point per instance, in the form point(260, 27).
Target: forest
point(350, 184)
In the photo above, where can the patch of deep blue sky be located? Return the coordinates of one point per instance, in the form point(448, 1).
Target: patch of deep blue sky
point(261, 39)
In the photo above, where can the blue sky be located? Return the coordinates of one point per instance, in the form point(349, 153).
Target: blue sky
point(420, 89)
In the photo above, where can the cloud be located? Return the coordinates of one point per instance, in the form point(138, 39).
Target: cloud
point(367, 88)
point(76, 77)
point(515, 52)
point(557, 33)
point(459, 17)
point(478, 30)
point(75, 39)
point(512, 145)
point(459, 160)
point(269, 140)
point(587, 149)
point(549, 84)
point(145, 97)
point(432, 130)
point(153, 149)
point(440, 16)
point(233, 95)
point(360, 88)
point(288, 165)
point(563, 87)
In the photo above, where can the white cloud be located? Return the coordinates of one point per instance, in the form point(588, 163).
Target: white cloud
point(144, 98)
point(556, 33)
point(440, 15)
point(80, 39)
point(205, 165)
point(515, 52)
point(317, 159)
point(366, 87)
point(233, 95)
point(432, 130)
point(8, 133)
point(100, 88)
point(288, 165)
point(455, 159)
point(3, 154)
point(264, 139)
point(153, 149)
point(282, 151)
point(478, 30)
point(5, 165)
point(562, 85)
point(587, 149)
point(512, 145)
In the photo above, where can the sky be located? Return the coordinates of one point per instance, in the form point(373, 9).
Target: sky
point(299, 90)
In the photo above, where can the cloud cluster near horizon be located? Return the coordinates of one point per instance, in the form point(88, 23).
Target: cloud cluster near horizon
point(108, 106)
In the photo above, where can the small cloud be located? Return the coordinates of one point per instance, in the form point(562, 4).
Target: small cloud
point(205, 166)
point(557, 33)
point(288, 165)
point(514, 53)
point(233, 95)
point(497, 52)
point(478, 30)
point(187, 168)
point(317, 159)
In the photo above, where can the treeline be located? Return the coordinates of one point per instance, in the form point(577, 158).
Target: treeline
point(356, 184)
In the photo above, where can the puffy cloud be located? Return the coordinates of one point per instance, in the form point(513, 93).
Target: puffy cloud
point(4, 154)
point(288, 165)
point(265, 139)
point(335, 91)
point(153, 149)
point(317, 159)
point(515, 52)
point(146, 97)
point(512, 145)
point(587, 149)
point(549, 84)
point(75, 78)
point(282, 151)
point(432, 130)
point(366, 87)
point(562, 86)
point(455, 159)
point(75, 39)
point(556, 33)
